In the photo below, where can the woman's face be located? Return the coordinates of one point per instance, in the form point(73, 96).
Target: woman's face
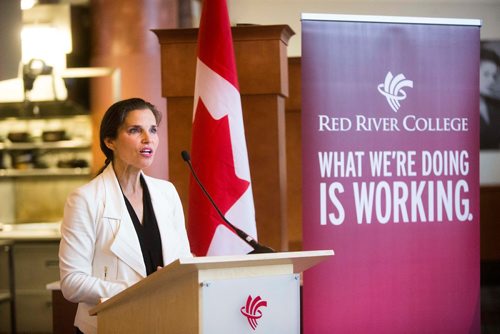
point(487, 76)
point(136, 141)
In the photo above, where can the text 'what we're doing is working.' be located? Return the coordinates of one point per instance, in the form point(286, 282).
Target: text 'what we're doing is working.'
point(394, 186)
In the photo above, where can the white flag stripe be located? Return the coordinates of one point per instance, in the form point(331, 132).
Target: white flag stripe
point(242, 213)
point(224, 242)
point(222, 98)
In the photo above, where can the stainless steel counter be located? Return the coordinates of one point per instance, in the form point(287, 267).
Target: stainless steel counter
point(34, 251)
point(49, 231)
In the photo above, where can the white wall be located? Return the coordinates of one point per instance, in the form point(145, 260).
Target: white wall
point(289, 11)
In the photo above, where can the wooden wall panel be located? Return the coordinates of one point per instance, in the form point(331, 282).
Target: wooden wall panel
point(294, 155)
point(490, 223)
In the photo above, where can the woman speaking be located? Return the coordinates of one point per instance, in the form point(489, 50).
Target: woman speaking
point(122, 225)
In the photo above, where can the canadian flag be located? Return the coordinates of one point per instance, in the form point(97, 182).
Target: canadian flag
point(218, 149)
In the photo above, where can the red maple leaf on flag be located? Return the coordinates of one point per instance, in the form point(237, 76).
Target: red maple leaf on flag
point(218, 176)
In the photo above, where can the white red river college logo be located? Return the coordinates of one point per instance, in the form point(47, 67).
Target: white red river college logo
point(392, 89)
point(251, 310)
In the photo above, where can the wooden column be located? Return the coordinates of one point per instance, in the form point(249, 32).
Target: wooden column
point(261, 59)
point(122, 38)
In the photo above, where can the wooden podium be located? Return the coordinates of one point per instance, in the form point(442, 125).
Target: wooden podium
point(219, 294)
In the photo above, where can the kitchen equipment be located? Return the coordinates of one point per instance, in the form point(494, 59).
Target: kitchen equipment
point(51, 136)
point(19, 137)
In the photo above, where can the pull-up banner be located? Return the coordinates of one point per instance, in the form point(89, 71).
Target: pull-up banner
point(391, 174)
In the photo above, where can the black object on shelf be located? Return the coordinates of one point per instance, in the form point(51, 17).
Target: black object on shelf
point(51, 136)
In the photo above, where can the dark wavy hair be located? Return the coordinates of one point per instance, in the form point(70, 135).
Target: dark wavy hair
point(114, 118)
point(489, 55)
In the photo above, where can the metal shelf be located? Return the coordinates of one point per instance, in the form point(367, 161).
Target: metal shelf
point(36, 145)
point(44, 172)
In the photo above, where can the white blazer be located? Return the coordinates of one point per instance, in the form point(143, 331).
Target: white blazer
point(100, 254)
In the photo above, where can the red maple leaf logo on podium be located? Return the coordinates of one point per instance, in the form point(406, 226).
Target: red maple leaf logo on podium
point(251, 310)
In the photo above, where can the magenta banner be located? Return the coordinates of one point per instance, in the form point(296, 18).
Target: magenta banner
point(390, 134)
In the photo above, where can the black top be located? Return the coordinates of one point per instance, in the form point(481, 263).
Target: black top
point(147, 232)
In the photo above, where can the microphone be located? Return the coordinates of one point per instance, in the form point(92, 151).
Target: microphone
point(257, 248)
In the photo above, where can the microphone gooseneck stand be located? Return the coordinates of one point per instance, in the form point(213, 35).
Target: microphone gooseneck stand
point(257, 248)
